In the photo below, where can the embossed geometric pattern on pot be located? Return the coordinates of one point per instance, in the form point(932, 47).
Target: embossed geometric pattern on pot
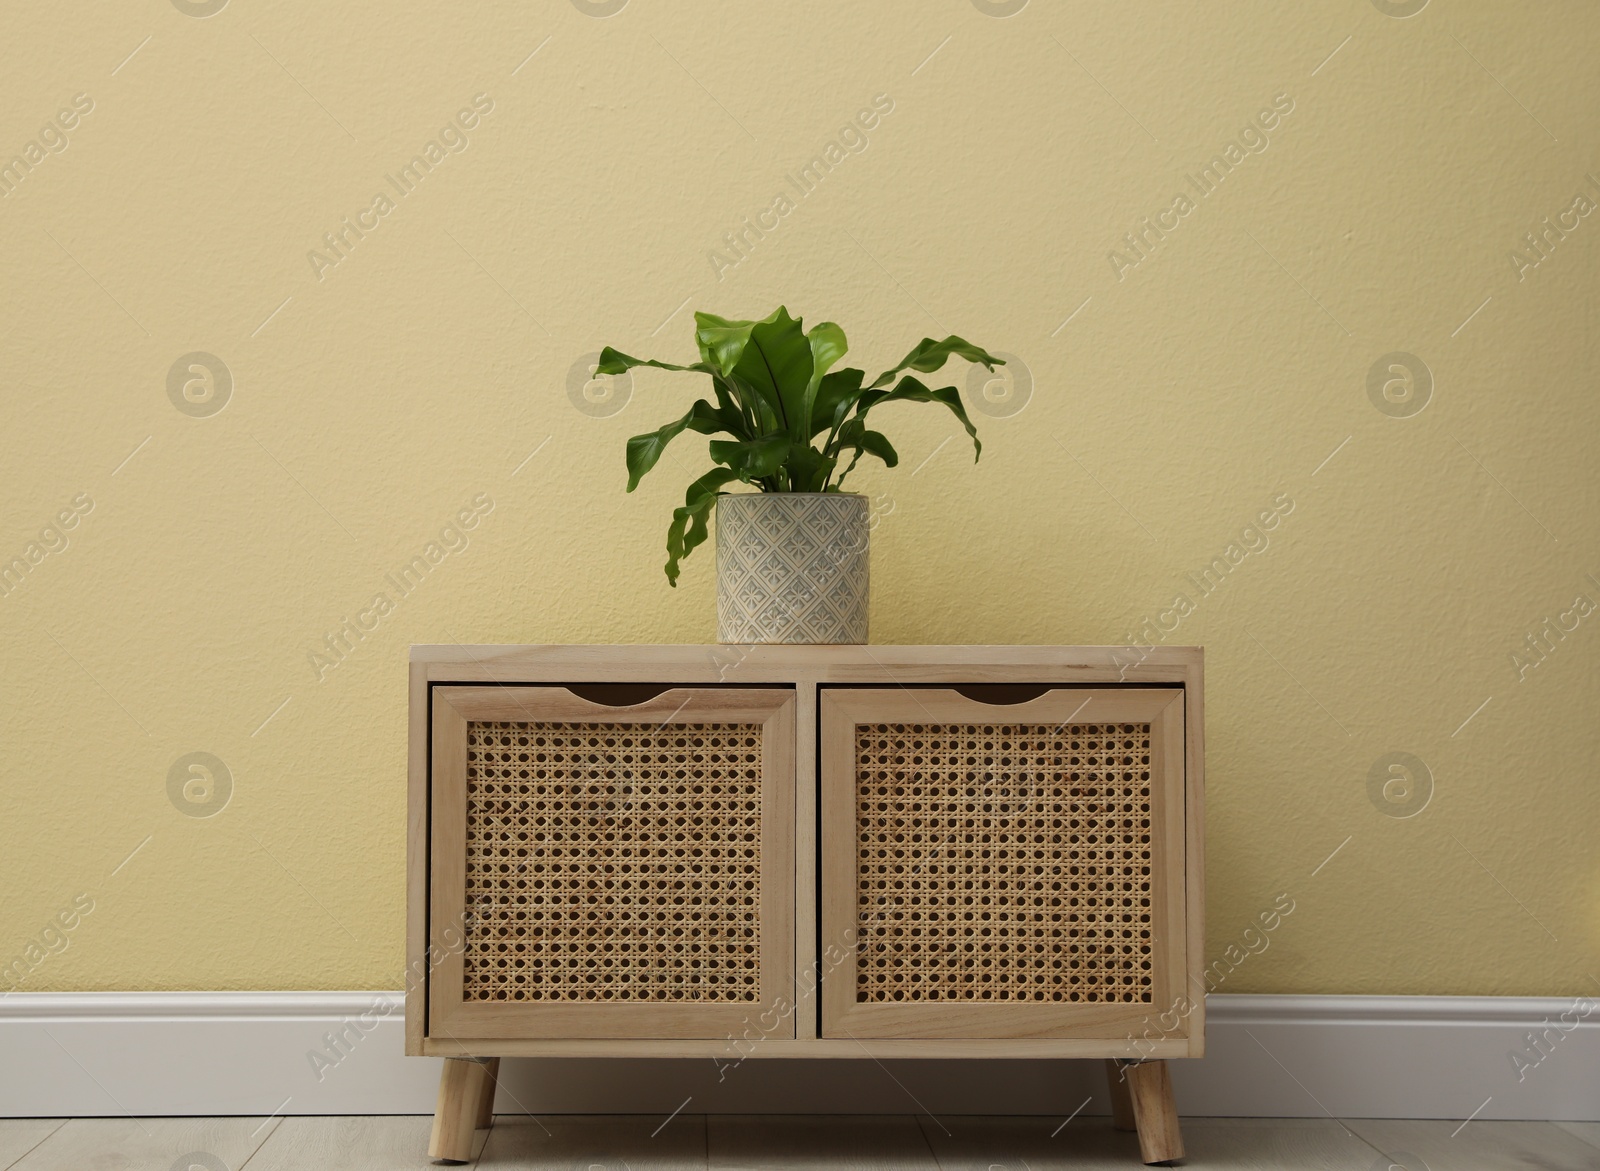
point(792, 567)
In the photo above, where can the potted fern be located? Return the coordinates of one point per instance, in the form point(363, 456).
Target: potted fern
point(792, 561)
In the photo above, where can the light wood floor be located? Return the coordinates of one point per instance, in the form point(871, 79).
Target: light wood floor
point(634, 1143)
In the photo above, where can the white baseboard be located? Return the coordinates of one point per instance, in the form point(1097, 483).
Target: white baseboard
point(183, 1053)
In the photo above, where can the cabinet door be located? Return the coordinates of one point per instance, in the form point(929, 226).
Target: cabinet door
point(606, 872)
point(1002, 870)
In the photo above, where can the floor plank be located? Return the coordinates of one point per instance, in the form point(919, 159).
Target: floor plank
point(350, 1144)
point(971, 1143)
point(728, 1142)
point(596, 1142)
point(1483, 1146)
point(1237, 1144)
point(853, 1141)
point(115, 1144)
point(1262, 1143)
point(1589, 1132)
point(18, 1136)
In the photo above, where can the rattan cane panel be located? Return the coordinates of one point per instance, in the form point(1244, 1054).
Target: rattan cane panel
point(613, 862)
point(1003, 863)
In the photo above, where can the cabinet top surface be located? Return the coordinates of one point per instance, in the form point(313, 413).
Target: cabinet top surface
point(777, 663)
point(809, 653)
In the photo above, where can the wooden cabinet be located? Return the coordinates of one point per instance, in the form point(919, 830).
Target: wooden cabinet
point(770, 851)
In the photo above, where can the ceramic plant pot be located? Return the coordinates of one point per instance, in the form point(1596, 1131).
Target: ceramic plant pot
point(792, 567)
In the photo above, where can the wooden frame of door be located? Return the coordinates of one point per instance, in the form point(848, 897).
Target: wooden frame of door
point(846, 1014)
point(450, 1014)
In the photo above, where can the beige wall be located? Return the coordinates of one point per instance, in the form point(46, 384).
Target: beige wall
point(1224, 374)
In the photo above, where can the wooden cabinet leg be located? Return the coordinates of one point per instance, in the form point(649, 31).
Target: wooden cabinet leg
point(491, 1082)
point(1121, 1100)
point(1154, 1115)
point(461, 1087)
